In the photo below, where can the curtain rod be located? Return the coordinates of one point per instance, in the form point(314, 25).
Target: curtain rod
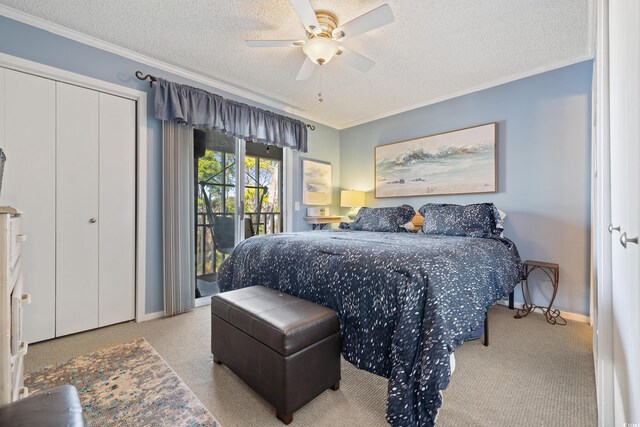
point(153, 79)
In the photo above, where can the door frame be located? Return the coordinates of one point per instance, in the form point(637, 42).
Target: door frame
point(240, 153)
point(287, 189)
point(287, 197)
point(140, 97)
point(601, 273)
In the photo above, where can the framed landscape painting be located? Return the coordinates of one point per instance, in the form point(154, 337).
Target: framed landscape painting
point(457, 162)
point(317, 185)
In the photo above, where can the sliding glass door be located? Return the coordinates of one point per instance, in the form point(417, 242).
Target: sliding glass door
point(238, 195)
point(263, 189)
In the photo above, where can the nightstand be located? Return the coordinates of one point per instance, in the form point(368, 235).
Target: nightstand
point(553, 273)
point(321, 221)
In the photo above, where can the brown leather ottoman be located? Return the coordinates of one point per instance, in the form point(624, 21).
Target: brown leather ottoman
point(285, 348)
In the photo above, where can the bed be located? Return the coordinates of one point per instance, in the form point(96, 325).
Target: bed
point(406, 301)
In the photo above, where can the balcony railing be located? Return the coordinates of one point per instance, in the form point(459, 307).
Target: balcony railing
point(208, 258)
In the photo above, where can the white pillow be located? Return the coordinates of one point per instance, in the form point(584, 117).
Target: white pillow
point(503, 215)
point(409, 226)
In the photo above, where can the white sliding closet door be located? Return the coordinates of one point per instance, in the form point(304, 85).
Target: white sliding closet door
point(30, 184)
point(117, 209)
point(77, 209)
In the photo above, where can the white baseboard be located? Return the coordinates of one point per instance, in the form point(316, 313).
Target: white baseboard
point(151, 316)
point(201, 302)
point(566, 314)
point(159, 314)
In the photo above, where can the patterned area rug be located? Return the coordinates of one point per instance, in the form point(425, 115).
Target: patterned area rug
point(126, 385)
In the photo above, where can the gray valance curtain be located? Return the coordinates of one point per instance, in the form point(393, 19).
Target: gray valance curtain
point(199, 108)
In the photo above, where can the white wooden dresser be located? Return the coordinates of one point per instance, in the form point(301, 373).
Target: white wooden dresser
point(12, 347)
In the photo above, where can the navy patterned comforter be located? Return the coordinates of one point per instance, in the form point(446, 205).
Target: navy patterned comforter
point(406, 301)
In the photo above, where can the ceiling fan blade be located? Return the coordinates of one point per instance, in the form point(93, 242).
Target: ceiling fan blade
point(356, 60)
point(371, 20)
point(306, 70)
point(307, 15)
point(274, 43)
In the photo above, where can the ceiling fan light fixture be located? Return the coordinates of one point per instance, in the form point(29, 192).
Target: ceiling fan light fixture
point(320, 50)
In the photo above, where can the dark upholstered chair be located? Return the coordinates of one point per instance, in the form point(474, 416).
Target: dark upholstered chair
point(57, 407)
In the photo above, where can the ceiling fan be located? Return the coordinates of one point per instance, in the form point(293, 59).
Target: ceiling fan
point(324, 36)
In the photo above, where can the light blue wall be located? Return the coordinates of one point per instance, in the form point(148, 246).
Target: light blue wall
point(544, 135)
point(31, 43)
point(327, 149)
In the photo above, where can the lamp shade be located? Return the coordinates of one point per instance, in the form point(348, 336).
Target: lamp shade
point(351, 198)
point(320, 50)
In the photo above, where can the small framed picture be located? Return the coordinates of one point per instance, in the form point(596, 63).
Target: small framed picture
point(317, 185)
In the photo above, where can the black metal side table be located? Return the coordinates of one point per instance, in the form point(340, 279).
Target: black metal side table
point(553, 273)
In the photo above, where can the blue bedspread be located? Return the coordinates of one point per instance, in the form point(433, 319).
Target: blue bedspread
point(406, 301)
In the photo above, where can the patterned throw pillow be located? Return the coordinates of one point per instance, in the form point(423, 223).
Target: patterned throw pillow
point(477, 220)
point(383, 219)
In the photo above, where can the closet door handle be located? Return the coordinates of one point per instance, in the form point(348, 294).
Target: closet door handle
point(624, 239)
point(92, 220)
point(611, 228)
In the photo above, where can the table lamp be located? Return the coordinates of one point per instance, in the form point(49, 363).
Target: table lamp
point(352, 199)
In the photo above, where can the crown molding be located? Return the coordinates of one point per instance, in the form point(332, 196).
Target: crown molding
point(66, 32)
point(61, 30)
point(494, 83)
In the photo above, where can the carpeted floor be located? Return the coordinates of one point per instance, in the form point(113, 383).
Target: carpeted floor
point(125, 384)
point(532, 374)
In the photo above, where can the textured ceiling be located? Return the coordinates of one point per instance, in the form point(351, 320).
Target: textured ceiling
point(433, 50)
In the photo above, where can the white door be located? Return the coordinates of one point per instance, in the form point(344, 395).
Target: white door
point(624, 45)
point(116, 219)
point(30, 184)
point(76, 209)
